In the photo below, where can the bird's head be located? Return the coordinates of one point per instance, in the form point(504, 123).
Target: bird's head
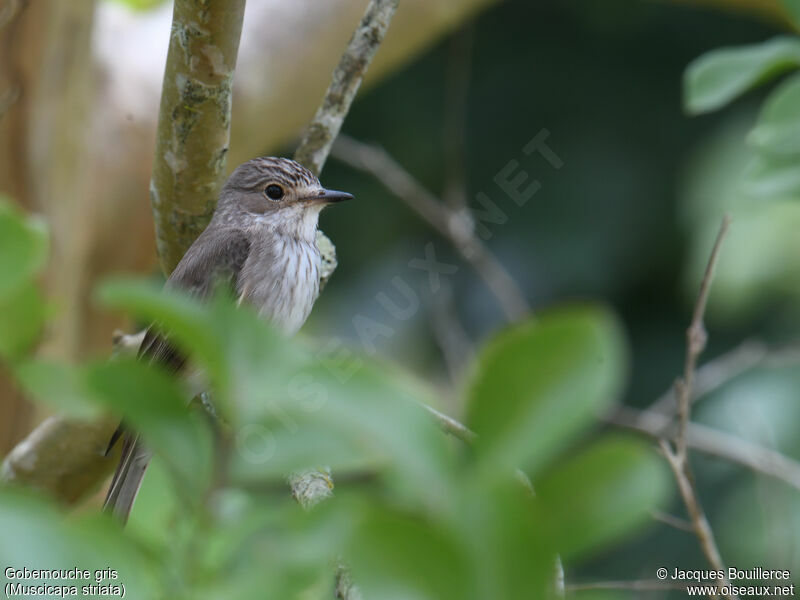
point(277, 192)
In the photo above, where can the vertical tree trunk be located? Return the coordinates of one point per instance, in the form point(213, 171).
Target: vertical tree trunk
point(47, 88)
point(194, 123)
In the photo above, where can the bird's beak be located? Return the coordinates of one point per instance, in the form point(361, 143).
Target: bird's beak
point(331, 196)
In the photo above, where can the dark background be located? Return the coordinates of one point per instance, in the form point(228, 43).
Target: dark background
point(612, 225)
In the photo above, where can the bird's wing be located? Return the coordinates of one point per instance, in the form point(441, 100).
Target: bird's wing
point(127, 479)
point(216, 258)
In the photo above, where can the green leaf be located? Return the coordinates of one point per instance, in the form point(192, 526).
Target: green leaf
point(399, 555)
point(189, 322)
point(155, 406)
point(158, 509)
point(22, 314)
point(777, 131)
point(793, 8)
point(772, 179)
point(602, 494)
point(23, 247)
point(36, 536)
point(541, 383)
point(140, 5)
point(272, 550)
point(719, 76)
point(61, 386)
point(296, 416)
point(256, 362)
point(511, 555)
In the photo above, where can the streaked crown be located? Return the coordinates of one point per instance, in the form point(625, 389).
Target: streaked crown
point(251, 176)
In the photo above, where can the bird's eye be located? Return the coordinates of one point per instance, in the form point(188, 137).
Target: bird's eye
point(274, 192)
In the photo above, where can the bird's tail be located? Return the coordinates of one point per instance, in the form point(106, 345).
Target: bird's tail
point(127, 478)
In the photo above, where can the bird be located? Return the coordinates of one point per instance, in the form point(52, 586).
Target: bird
point(261, 243)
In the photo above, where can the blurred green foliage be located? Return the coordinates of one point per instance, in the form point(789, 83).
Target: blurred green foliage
point(431, 519)
point(139, 5)
point(758, 182)
point(604, 78)
point(23, 250)
point(717, 78)
point(793, 9)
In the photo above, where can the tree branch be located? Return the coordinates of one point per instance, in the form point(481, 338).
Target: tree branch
point(453, 341)
point(63, 457)
point(696, 338)
point(194, 122)
point(451, 426)
point(642, 585)
point(457, 80)
point(450, 224)
point(45, 115)
point(312, 486)
point(327, 122)
point(700, 525)
point(315, 485)
point(712, 442)
point(67, 457)
point(677, 456)
point(672, 521)
point(726, 367)
point(324, 127)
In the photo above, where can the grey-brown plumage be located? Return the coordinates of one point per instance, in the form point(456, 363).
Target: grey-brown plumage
point(260, 242)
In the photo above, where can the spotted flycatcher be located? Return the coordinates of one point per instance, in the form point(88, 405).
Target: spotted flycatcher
point(262, 242)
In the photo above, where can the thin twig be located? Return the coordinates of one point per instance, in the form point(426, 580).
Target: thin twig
point(726, 367)
point(452, 339)
point(657, 420)
point(712, 442)
point(704, 439)
point(451, 426)
point(457, 78)
point(465, 434)
point(677, 457)
point(321, 133)
point(327, 122)
point(642, 585)
point(437, 214)
point(700, 525)
point(672, 521)
point(696, 337)
point(313, 486)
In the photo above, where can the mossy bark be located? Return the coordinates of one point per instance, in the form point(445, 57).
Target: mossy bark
point(346, 79)
point(194, 122)
point(316, 144)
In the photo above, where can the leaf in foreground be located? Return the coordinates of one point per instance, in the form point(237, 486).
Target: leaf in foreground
point(720, 76)
point(541, 383)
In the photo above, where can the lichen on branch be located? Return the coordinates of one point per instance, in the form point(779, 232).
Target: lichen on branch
point(320, 134)
point(346, 79)
point(194, 122)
